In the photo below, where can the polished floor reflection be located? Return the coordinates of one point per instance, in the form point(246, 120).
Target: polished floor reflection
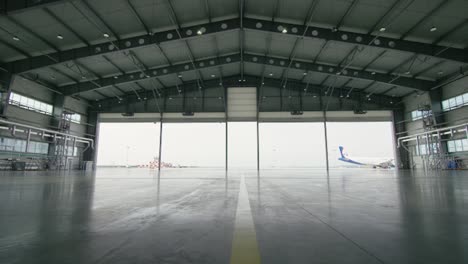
point(196, 216)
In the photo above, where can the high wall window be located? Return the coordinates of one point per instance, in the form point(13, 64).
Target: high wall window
point(417, 114)
point(75, 118)
point(30, 104)
point(457, 145)
point(425, 150)
point(455, 102)
point(70, 151)
point(19, 145)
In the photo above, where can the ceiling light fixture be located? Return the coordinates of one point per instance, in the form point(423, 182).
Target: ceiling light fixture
point(433, 29)
point(284, 31)
point(199, 32)
point(16, 38)
point(271, 74)
point(212, 75)
point(407, 72)
point(59, 36)
point(106, 35)
point(382, 29)
point(334, 29)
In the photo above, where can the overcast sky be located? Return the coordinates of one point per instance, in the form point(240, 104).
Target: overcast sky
point(281, 144)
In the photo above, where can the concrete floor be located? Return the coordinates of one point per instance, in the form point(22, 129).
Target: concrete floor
point(197, 216)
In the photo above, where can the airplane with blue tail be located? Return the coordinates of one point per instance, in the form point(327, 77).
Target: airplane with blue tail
point(384, 165)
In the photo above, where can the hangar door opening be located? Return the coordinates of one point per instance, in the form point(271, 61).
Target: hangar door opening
point(127, 144)
point(360, 144)
point(242, 145)
point(193, 145)
point(292, 145)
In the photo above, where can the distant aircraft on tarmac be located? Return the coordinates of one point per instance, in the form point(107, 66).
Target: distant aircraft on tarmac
point(366, 162)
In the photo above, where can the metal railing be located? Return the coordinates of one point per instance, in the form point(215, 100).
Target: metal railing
point(56, 136)
point(433, 156)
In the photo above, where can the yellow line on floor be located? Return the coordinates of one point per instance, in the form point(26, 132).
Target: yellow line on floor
point(244, 243)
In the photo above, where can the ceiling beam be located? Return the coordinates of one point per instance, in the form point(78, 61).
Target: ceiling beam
point(65, 25)
point(24, 65)
point(384, 16)
point(451, 31)
point(428, 15)
point(348, 11)
point(33, 33)
point(250, 81)
point(455, 54)
point(138, 17)
point(145, 40)
point(14, 6)
point(108, 28)
point(151, 73)
point(15, 48)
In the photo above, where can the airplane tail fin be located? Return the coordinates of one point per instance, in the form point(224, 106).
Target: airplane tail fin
point(341, 151)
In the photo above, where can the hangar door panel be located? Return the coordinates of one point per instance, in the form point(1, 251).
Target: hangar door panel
point(242, 104)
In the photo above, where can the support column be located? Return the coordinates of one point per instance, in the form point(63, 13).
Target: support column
point(56, 122)
point(92, 132)
point(59, 104)
point(326, 139)
point(160, 141)
point(259, 96)
point(258, 147)
point(436, 106)
point(6, 81)
point(402, 155)
point(227, 145)
point(227, 127)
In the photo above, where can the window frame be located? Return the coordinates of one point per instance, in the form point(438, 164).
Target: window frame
point(30, 104)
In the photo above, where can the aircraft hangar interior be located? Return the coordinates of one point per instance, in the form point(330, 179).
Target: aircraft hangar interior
point(234, 131)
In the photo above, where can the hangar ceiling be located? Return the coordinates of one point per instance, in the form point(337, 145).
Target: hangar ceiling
point(109, 51)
